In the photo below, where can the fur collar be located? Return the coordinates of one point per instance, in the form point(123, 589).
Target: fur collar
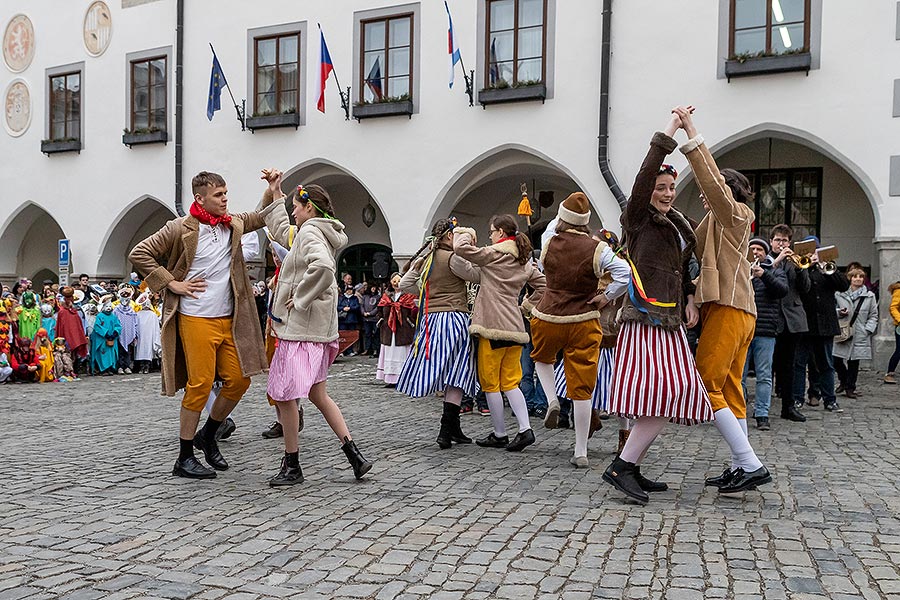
point(507, 247)
point(680, 224)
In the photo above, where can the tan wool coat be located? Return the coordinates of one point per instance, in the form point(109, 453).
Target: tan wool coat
point(166, 256)
point(496, 314)
point(723, 236)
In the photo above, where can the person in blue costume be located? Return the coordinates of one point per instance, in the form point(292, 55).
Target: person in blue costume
point(48, 320)
point(104, 339)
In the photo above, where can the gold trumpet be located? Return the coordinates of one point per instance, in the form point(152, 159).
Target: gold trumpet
point(802, 262)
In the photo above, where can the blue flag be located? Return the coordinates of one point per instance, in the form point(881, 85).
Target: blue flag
point(216, 83)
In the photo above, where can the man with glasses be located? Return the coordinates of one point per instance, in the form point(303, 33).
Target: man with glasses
point(792, 323)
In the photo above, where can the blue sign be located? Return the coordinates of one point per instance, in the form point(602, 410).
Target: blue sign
point(64, 254)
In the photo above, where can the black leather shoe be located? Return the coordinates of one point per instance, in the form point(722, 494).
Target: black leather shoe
point(287, 475)
point(274, 431)
point(742, 481)
point(620, 474)
point(522, 440)
point(192, 469)
point(492, 441)
point(792, 414)
point(648, 485)
point(225, 429)
point(762, 423)
point(723, 479)
point(211, 452)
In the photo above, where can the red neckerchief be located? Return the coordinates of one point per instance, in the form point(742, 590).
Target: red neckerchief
point(395, 317)
point(513, 238)
point(202, 215)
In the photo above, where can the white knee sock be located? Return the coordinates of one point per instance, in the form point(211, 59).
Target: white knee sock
point(642, 434)
point(495, 403)
point(743, 424)
point(742, 454)
point(520, 409)
point(548, 381)
point(582, 410)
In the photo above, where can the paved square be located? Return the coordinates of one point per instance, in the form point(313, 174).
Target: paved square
point(88, 508)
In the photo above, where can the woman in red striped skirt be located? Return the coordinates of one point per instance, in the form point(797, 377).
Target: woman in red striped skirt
point(655, 379)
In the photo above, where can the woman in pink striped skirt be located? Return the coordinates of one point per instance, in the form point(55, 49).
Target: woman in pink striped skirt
point(304, 321)
point(655, 379)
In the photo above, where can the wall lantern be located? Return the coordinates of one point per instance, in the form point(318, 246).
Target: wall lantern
point(368, 215)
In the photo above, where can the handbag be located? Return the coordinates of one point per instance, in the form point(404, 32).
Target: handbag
point(846, 333)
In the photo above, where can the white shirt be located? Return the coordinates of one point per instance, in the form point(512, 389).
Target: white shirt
point(212, 262)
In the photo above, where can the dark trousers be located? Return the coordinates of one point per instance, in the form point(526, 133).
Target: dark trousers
point(895, 357)
point(847, 373)
point(371, 340)
point(124, 361)
point(815, 351)
point(783, 364)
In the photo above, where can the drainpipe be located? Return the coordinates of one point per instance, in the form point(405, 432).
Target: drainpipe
point(603, 146)
point(179, 101)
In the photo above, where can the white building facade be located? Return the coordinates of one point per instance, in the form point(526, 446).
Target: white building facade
point(802, 95)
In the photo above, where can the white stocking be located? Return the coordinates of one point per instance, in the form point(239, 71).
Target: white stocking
point(495, 403)
point(642, 434)
point(742, 454)
point(520, 409)
point(548, 382)
point(582, 410)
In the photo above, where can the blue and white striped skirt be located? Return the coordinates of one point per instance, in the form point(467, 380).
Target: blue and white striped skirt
point(600, 397)
point(445, 358)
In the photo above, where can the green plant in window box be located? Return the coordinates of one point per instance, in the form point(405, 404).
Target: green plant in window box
point(55, 140)
point(743, 57)
point(141, 130)
point(385, 100)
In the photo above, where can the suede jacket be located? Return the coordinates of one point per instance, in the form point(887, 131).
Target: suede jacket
point(654, 242)
point(496, 314)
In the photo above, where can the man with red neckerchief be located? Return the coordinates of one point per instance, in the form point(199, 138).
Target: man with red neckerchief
point(209, 320)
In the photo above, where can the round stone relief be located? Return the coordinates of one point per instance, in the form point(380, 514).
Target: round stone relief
point(97, 28)
point(18, 108)
point(18, 43)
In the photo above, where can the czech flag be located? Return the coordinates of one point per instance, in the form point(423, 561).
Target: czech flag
point(453, 49)
point(325, 69)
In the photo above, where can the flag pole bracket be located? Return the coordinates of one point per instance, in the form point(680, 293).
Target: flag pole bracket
point(345, 102)
point(470, 79)
point(241, 113)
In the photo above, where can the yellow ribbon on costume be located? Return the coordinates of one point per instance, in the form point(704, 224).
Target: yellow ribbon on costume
point(640, 288)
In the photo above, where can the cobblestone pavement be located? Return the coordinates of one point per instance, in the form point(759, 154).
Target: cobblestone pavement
point(88, 508)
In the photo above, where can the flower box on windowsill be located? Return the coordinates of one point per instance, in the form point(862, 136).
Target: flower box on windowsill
point(523, 93)
point(49, 147)
point(383, 109)
point(272, 121)
point(762, 65)
point(149, 137)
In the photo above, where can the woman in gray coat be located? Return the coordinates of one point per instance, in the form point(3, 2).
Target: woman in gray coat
point(856, 307)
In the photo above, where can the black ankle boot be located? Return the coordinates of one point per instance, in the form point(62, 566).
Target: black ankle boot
point(620, 474)
point(648, 485)
point(360, 465)
point(290, 472)
point(450, 419)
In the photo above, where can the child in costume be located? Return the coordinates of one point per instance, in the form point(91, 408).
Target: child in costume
point(397, 311)
point(43, 347)
point(148, 344)
point(29, 316)
point(506, 267)
point(5, 369)
point(48, 320)
point(104, 339)
point(24, 361)
point(62, 361)
point(125, 311)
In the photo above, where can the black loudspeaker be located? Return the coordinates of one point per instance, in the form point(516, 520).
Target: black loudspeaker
point(545, 199)
point(381, 265)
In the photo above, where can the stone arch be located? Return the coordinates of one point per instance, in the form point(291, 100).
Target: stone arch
point(848, 208)
point(787, 133)
point(497, 174)
point(28, 242)
point(139, 219)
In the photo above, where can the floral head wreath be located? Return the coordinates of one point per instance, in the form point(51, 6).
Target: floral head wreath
point(304, 197)
point(667, 170)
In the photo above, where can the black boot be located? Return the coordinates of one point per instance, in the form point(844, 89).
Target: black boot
point(443, 439)
point(620, 474)
point(450, 419)
point(790, 412)
point(290, 472)
point(360, 465)
point(210, 450)
point(648, 485)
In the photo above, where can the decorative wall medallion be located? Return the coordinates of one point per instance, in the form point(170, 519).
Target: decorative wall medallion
point(18, 108)
point(97, 28)
point(18, 43)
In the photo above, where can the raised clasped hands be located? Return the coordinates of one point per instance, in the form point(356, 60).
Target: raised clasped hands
point(684, 114)
point(273, 177)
